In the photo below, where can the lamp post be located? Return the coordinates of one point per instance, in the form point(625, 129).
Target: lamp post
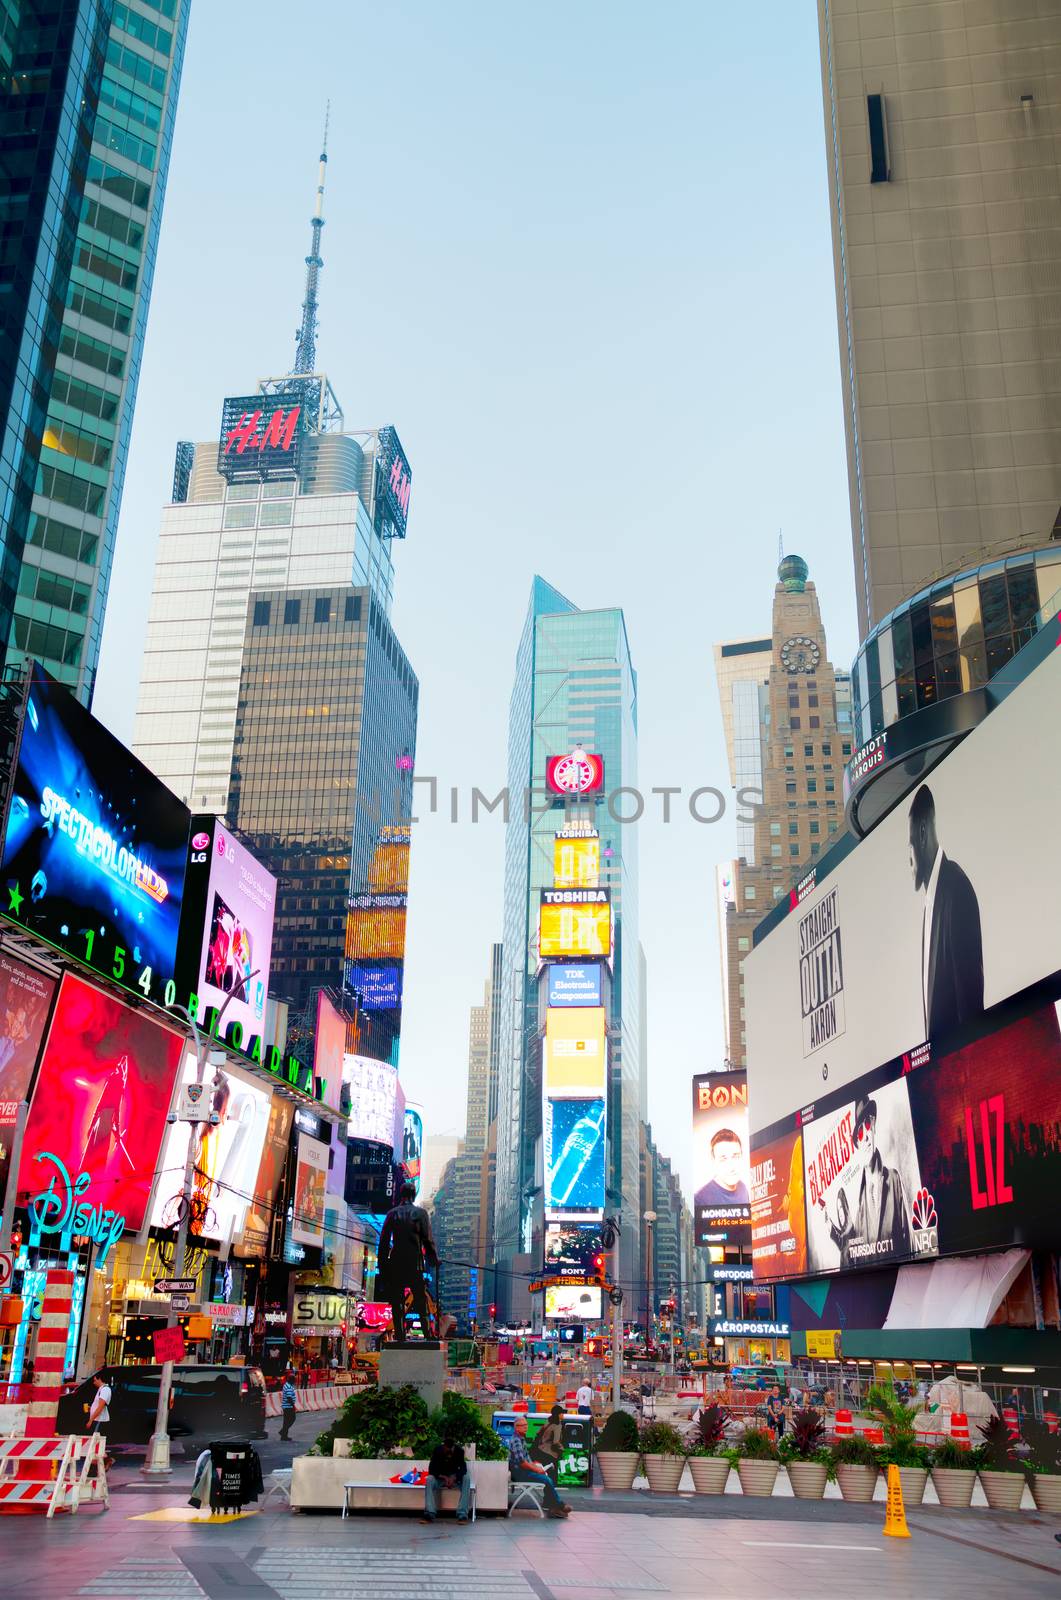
point(156, 1461)
point(648, 1218)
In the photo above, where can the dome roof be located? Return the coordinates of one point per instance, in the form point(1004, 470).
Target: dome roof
point(792, 573)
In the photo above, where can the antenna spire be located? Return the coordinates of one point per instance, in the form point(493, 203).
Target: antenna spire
point(306, 337)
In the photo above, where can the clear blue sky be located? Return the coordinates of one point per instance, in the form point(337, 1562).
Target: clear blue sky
point(579, 254)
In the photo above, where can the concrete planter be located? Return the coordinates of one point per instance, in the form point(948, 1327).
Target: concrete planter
point(664, 1473)
point(913, 1481)
point(317, 1484)
point(710, 1474)
point(1004, 1490)
point(1046, 1491)
point(757, 1477)
point(808, 1479)
point(856, 1482)
point(618, 1468)
point(954, 1485)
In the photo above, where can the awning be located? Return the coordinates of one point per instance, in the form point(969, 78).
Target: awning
point(962, 1293)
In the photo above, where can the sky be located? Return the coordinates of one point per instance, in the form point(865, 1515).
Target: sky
point(580, 256)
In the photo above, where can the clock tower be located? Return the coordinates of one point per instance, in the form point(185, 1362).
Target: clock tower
point(788, 725)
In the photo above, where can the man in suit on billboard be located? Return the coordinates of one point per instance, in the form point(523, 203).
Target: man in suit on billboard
point(881, 1214)
point(952, 951)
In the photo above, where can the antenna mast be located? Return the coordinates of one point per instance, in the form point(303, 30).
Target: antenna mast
point(306, 337)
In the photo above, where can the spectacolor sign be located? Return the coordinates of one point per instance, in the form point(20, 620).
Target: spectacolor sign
point(578, 773)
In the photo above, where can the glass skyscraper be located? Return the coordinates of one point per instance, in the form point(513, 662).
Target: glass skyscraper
point(88, 147)
point(574, 685)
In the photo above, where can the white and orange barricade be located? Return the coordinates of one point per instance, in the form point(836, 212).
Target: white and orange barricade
point(845, 1425)
point(959, 1428)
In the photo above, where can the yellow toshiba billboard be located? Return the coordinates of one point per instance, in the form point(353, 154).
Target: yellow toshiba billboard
point(576, 863)
point(575, 922)
point(575, 1060)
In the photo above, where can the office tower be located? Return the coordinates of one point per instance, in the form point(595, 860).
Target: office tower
point(574, 695)
point(88, 96)
point(666, 1236)
point(941, 124)
point(483, 1031)
point(325, 720)
point(787, 719)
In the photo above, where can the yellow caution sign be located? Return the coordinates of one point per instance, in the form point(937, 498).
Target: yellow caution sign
point(895, 1516)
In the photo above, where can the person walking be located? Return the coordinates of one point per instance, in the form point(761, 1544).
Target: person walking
point(549, 1444)
point(99, 1413)
point(521, 1469)
point(584, 1399)
point(775, 1410)
point(288, 1402)
point(447, 1469)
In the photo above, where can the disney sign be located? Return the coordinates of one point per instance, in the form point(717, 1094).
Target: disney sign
point(58, 1209)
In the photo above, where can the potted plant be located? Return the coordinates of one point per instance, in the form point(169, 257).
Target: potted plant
point(804, 1455)
point(617, 1451)
point(708, 1462)
point(1043, 1466)
point(1001, 1474)
point(856, 1466)
point(756, 1460)
point(901, 1448)
point(663, 1452)
point(953, 1474)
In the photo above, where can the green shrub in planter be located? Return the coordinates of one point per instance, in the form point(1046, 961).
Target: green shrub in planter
point(952, 1457)
point(710, 1436)
point(996, 1454)
point(619, 1434)
point(661, 1439)
point(378, 1422)
point(755, 1444)
point(1045, 1449)
point(853, 1452)
point(463, 1420)
point(805, 1440)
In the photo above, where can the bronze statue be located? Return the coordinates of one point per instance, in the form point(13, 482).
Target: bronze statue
point(406, 1250)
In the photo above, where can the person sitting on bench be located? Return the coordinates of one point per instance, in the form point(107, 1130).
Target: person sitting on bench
point(447, 1469)
point(522, 1469)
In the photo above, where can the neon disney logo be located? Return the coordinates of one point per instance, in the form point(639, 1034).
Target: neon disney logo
point(58, 1209)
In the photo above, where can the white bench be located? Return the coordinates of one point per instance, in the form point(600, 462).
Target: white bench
point(415, 1488)
point(521, 1491)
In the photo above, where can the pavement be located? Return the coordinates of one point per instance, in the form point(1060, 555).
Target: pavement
point(150, 1545)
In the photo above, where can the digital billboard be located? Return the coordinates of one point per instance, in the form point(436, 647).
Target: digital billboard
point(575, 1148)
point(375, 929)
point(413, 1143)
point(721, 1158)
point(927, 923)
point(95, 848)
point(227, 1155)
point(574, 983)
point(575, 1052)
point(26, 996)
point(565, 1301)
point(377, 985)
point(779, 1224)
point(575, 774)
point(373, 1095)
point(101, 1098)
point(329, 1047)
point(261, 436)
point(576, 861)
point(574, 922)
point(570, 1248)
point(257, 1224)
point(311, 1177)
point(226, 934)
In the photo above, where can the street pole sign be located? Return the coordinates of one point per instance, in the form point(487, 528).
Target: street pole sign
point(175, 1285)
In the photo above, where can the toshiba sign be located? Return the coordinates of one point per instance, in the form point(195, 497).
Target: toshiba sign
point(261, 437)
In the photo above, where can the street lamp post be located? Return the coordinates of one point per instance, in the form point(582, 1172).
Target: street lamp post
point(648, 1218)
point(157, 1460)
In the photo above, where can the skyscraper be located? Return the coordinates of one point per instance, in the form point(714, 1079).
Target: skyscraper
point(941, 123)
point(787, 719)
point(574, 686)
point(88, 96)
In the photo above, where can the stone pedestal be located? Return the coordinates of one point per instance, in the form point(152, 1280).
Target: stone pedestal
point(421, 1364)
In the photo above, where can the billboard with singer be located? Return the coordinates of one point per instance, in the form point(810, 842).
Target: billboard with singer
point(226, 934)
point(779, 1222)
point(228, 1156)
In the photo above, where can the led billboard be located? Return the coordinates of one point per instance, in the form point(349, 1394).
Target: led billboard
point(311, 1177)
point(377, 986)
point(574, 983)
point(779, 1224)
point(26, 996)
point(575, 774)
point(257, 1224)
point(575, 1147)
point(413, 1143)
point(226, 934)
point(261, 437)
point(227, 1156)
point(574, 922)
point(373, 1089)
point(101, 1098)
point(574, 1052)
point(916, 932)
point(329, 1047)
point(721, 1159)
point(375, 929)
point(576, 861)
point(566, 1301)
point(95, 847)
point(570, 1248)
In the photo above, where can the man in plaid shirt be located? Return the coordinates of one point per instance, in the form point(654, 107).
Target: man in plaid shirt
point(521, 1469)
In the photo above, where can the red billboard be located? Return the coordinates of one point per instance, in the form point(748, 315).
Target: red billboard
point(102, 1096)
point(329, 1049)
point(25, 998)
point(577, 773)
point(779, 1225)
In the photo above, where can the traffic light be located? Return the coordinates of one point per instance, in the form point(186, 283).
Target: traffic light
point(493, 1311)
point(599, 1264)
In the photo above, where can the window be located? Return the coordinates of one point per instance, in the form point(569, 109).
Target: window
point(812, 785)
point(815, 722)
point(827, 749)
point(793, 702)
point(240, 516)
point(790, 788)
point(276, 515)
point(241, 491)
point(352, 612)
point(749, 891)
point(833, 824)
point(815, 827)
point(744, 944)
point(812, 700)
point(775, 827)
point(292, 611)
point(793, 722)
point(278, 489)
point(322, 608)
point(775, 849)
point(793, 850)
point(262, 608)
point(777, 891)
point(846, 748)
point(793, 826)
point(814, 849)
point(789, 752)
point(808, 749)
point(830, 785)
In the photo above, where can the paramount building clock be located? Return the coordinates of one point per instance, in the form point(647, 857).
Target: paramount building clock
point(800, 654)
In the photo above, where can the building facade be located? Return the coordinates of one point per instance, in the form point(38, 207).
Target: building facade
point(574, 686)
point(483, 1040)
point(93, 144)
point(787, 717)
point(941, 122)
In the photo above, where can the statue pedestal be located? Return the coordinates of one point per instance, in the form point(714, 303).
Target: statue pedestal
point(421, 1364)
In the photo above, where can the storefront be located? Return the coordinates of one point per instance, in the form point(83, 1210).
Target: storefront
point(751, 1344)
